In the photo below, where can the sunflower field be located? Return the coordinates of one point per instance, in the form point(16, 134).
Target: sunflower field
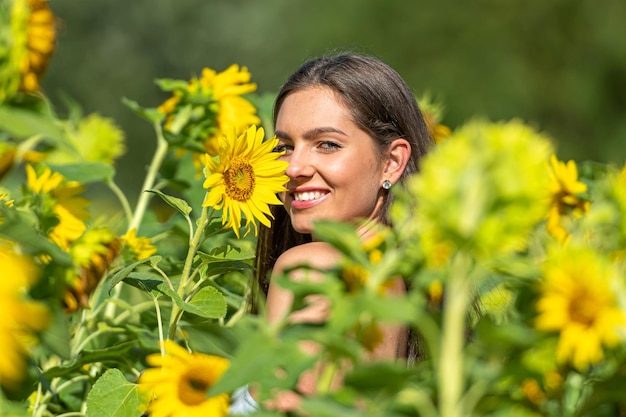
point(515, 262)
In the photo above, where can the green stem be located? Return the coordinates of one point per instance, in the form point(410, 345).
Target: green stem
point(122, 198)
point(160, 325)
point(451, 378)
point(148, 183)
point(325, 381)
point(142, 202)
point(194, 244)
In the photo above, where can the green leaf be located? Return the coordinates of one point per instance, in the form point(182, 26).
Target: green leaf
point(168, 84)
point(151, 115)
point(219, 266)
point(116, 353)
point(57, 336)
point(145, 281)
point(124, 272)
point(113, 395)
point(85, 172)
point(181, 120)
point(26, 123)
point(379, 376)
point(257, 359)
point(177, 203)
point(343, 237)
point(209, 303)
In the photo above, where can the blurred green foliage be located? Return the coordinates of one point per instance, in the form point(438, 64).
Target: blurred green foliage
point(559, 65)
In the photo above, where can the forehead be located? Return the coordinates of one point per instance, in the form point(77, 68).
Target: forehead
point(313, 107)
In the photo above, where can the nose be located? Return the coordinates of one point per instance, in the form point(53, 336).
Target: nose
point(300, 164)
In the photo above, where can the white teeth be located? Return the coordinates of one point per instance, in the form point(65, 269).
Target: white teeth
point(307, 196)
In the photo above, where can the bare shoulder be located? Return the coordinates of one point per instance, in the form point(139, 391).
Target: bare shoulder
point(317, 255)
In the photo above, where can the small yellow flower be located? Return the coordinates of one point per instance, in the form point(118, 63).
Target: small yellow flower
point(369, 334)
point(435, 293)
point(533, 392)
point(566, 191)
point(141, 246)
point(179, 381)
point(69, 208)
point(354, 276)
point(433, 113)
point(578, 300)
point(245, 180)
point(20, 317)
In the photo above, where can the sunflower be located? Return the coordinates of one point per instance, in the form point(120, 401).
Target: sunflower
point(26, 43)
point(67, 206)
point(567, 201)
point(141, 247)
point(245, 179)
point(179, 381)
point(206, 108)
point(41, 39)
point(20, 317)
point(235, 112)
point(92, 138)
point(578, 300)
point(93, 253)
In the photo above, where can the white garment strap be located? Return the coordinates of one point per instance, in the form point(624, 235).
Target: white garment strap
point(242, 403)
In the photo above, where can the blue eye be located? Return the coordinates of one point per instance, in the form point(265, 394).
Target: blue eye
point(329, 146)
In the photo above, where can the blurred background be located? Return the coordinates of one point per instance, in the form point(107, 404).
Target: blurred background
point(559, 65)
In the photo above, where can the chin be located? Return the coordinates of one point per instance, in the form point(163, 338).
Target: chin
point(305, 229)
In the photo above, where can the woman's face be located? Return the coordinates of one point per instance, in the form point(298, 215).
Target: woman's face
point(335, 171)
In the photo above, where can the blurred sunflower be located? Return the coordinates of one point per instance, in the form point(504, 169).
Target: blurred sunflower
point(179, 381)
point(92, 254)
point(209, 107)
point(92, 138)
point(578, 300)
point(141, 247)
point(245, 179)
point(567, 199)
point(26, 44)
point(482, 190)
point(20, 317)
point(62, 200)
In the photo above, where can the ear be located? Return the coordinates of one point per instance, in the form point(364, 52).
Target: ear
point(398, 156)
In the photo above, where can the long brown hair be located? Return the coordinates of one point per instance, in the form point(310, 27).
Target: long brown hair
point(380, 102)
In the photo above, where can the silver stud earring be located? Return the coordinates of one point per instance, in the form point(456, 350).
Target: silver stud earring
point(386, 184)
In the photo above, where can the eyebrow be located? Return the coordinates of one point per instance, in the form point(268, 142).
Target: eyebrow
point(312, 133)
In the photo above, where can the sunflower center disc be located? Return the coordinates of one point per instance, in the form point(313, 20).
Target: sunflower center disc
point(239, 180)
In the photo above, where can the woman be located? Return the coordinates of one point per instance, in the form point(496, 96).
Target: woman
point(351, 129)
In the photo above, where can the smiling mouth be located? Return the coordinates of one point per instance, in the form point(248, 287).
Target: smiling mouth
point(308, 196)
